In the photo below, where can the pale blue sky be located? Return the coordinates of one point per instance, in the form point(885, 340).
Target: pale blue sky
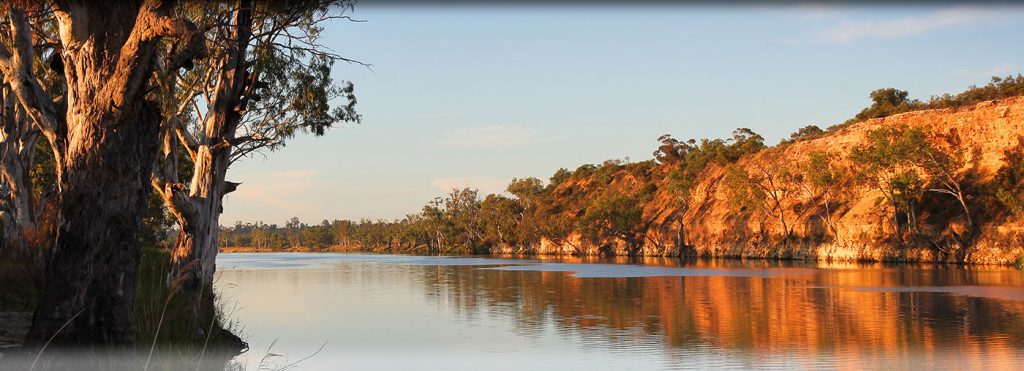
point(476, 96)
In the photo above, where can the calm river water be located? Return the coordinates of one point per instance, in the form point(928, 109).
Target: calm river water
point(409, 312)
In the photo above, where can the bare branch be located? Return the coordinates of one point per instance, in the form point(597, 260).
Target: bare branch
point(187, 140)
point(152, 24)
point(16, 66)
point(174, 197)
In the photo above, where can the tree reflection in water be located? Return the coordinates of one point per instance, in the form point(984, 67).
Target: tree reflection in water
point(851, 312)
point(414, 312)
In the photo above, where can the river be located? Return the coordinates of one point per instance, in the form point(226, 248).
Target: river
point(364, 312)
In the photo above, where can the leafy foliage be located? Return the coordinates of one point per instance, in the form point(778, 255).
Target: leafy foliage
point(804, 133)
point(1010, 181)
point(289, 87)
point(889, 101)
point(613, 216)
point(820, 178)
point(885, 162)
point(819, 172)
point(763, 189)
point(740, 195)
point(893, 160)
point(603, 202)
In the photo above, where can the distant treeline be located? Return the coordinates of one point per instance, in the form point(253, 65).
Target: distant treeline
point(465, 222)
point(604, 204)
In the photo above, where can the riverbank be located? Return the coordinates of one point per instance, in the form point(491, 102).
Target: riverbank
point(332, 248)
point(161, 319)
point(1003, 255)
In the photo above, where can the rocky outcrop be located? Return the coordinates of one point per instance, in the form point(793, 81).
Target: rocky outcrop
point(713, 227)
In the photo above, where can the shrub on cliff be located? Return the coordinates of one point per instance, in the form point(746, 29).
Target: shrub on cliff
point(1010, 180)
point(805, 133)
point(765, 189)
point(886, 102)
point(997, 88)
point(885, 162)
point(903, 163)
point(614, 216)
point(889, 101)
point(819, 178)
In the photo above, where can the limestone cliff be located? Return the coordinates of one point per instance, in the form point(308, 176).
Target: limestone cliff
point(714, 227)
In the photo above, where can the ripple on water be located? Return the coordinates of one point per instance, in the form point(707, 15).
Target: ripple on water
point(597, 270)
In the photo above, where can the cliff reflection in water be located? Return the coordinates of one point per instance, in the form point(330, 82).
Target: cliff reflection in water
point(847, 312)
point(415, 312)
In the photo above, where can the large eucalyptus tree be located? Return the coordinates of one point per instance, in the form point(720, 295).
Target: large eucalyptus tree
point(267, 78)
point(103, 132)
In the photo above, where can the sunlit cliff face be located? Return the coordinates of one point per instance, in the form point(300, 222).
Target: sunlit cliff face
point(988, 129)
point(715, 227)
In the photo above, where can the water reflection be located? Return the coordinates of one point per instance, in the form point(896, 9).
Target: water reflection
point(412, 312)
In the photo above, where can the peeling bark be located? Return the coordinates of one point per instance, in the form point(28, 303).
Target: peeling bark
point(18, 211)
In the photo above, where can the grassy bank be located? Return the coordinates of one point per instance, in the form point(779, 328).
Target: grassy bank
point(165, 339)
point(165, 321)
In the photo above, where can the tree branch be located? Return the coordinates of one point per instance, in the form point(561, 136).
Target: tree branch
point(187, 140)
point(174, 197)
point(16, 65)
point(164, 180)
point(152, 24)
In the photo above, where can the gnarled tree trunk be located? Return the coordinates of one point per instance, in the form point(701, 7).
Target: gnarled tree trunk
point(195, 252)
point(91, 277)
point(198, 212)
point(105, 144)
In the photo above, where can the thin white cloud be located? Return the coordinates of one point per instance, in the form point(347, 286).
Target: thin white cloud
point(1003, 70)
point(284, 192)
point(488, 136)
point(846, 32)
point(484, 184)
point(983, 74)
